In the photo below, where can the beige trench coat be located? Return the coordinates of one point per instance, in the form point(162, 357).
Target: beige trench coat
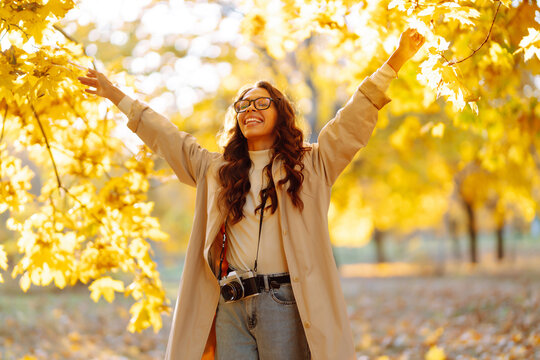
point(306, 240)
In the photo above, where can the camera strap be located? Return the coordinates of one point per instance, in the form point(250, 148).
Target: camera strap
point(264, 197)
point(223, 265)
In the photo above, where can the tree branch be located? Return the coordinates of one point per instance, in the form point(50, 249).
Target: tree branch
point(88, 160)
point(534, 154)
point(83, 118)
point(60, 186)
point(15, 25)
point(3, 34)
point(3, 124)
point(66, 35)
point(483, 43)
point(59, 182)
point(84, 207)
point(72, 39)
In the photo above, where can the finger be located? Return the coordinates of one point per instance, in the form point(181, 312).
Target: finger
point(85, 79)
point(92, 73)
point(90, 91)
point(88, 81)
point(93, 82)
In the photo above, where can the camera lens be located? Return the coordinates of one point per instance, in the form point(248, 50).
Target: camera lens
point(232, 291)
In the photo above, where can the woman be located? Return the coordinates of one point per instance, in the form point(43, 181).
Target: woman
point(288, 302)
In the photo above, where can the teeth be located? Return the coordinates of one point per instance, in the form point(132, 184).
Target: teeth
point(252, 120)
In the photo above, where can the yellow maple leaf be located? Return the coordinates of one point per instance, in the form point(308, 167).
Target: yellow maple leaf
point(435, 353)
point(59, 8)
point(139, 317)
point(24, 282)
point(399, 4)
point(530, 43)
point(105, 286)
point(3, 258)
point(438, 130)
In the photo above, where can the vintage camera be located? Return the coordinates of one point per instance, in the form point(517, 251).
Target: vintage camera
point(239, 286)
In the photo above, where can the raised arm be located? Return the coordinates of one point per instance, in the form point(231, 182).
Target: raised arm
point(351, 128)
point(185, 156)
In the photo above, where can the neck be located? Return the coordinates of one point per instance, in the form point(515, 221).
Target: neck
point(260, 144)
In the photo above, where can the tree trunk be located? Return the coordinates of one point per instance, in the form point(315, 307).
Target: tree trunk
point(473, 245)
point(453, 230)
point(378, 237)
point(306, 68)
point(311, 117)
point(500, 241)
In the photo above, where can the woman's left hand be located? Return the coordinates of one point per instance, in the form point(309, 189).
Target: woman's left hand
point(409, 43)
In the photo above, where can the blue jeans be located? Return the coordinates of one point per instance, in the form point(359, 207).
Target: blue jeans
point(266, 327)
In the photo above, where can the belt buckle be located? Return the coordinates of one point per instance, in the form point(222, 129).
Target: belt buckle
point(274, 284)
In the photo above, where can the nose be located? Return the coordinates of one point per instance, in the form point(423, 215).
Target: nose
point(251, 107)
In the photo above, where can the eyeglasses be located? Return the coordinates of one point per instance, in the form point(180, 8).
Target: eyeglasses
point(261, 103)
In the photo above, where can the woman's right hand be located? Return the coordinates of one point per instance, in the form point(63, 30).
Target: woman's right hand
point(101, 86)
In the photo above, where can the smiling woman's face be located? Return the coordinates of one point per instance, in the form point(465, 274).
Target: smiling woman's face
point(257, 126)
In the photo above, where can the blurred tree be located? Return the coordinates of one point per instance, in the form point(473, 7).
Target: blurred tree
point(483, 54)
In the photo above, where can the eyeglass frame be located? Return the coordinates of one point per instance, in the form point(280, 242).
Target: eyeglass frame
point(253, 101)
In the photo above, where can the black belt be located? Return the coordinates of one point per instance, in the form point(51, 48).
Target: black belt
point(273, 282)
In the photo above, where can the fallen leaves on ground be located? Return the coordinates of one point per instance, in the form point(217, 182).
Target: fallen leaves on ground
point(457, 317)
point(435, 318)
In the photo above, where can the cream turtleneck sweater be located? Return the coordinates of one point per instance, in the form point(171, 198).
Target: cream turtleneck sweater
point(242, 246)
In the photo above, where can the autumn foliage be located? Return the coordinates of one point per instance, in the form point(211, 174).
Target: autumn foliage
point(91, 218)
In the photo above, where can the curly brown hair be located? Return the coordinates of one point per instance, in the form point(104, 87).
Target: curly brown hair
point(288, 146)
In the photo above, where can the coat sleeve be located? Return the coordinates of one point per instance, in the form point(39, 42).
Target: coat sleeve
point(351, 128)
point(186, 157)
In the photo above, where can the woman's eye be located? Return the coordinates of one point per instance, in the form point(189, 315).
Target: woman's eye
point(261, 102)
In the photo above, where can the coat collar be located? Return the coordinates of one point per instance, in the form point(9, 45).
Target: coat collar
point(277, 169)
